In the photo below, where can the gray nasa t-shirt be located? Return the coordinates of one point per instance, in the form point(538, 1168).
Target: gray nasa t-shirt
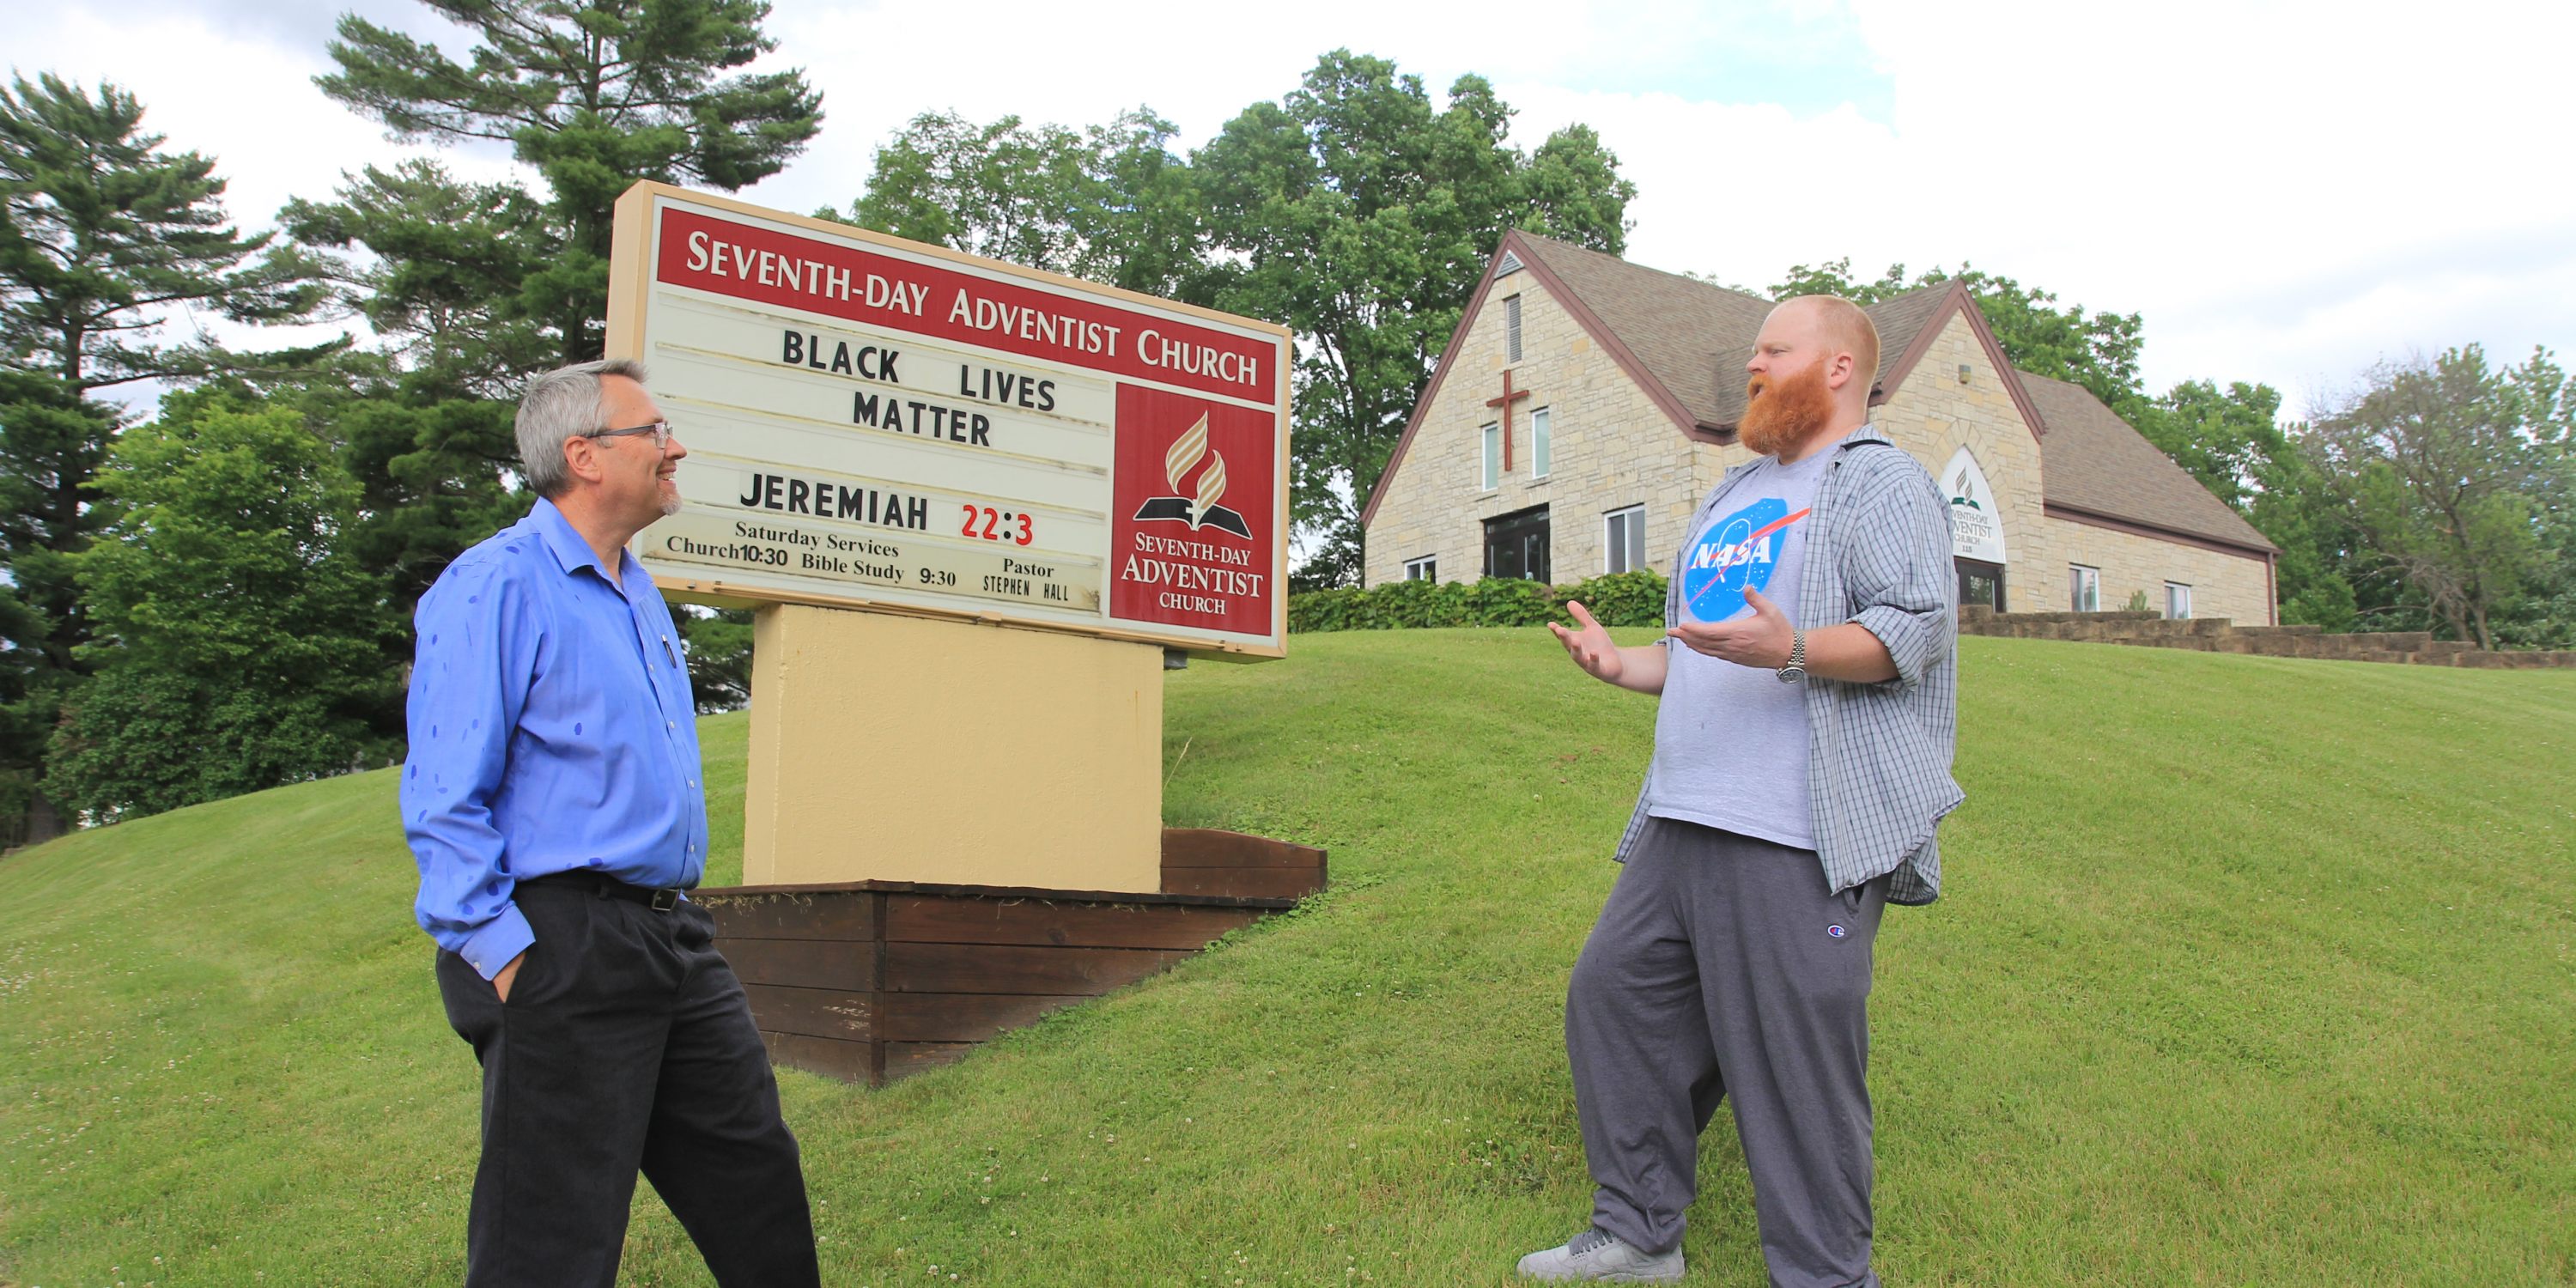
point(1731, 741)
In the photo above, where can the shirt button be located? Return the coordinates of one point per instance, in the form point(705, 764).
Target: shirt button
point(669, 725)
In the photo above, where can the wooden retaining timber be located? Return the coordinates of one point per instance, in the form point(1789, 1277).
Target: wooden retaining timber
point(869, 981)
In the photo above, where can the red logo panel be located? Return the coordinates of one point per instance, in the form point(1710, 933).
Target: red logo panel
point(1192, 522)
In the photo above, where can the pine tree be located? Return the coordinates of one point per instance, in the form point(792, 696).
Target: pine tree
point(594, 95)
point(103, 236)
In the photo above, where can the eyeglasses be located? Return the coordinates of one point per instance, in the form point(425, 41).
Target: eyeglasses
point(660, 430)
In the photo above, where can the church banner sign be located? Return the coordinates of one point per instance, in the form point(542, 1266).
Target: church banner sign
point(1976, 524)
point(876, 423)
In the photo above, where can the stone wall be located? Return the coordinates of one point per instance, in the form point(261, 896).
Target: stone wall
point(2219, 635)
point(1934, 414)
point(1611, 447)
point(2222, 585)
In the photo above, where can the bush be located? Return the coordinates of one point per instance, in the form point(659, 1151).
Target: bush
point(1621, 599)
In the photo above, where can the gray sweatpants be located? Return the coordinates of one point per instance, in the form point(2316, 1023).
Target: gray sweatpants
point(1722, 969)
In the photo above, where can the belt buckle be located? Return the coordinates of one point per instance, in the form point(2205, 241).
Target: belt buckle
point(665, 900)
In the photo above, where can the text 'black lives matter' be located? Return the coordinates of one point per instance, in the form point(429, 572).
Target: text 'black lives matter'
point(867, 361)
point(929, 420)
point(1006, 387)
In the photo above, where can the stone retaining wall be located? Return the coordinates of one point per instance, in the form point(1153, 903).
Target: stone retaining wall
point(2220, 635)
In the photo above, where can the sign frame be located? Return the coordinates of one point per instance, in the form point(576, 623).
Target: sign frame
point(630, 289)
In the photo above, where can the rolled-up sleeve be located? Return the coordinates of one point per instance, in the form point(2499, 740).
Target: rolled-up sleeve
point(1902, 581)
point(470, 681)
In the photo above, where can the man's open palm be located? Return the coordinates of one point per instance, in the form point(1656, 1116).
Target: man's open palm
point(1589, 646)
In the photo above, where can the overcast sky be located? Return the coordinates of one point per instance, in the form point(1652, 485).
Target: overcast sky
point(2288, 192)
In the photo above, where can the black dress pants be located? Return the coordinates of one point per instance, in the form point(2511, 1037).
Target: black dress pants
point(626, 1044)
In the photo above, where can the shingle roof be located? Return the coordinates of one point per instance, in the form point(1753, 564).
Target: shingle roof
point(1681, 329)
point(1688, 339)
point(1694, 336)
point(2092, 460)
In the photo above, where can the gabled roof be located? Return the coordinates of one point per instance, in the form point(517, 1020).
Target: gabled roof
point(2092, 462)
point(1685, 341)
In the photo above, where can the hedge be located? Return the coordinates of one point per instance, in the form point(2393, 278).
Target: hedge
point(1618, 599)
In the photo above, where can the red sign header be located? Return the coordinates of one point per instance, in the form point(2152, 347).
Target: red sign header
point(749, 262)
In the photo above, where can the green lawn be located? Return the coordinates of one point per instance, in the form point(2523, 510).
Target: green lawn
point(2249, 971)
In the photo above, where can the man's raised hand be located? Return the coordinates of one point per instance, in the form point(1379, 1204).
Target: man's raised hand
point(1589, 646)
point(1761, 640)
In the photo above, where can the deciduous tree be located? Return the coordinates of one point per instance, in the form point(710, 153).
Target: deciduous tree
point(1361, 215)
point(238, 647)
point(1109, 203)
point(2440, 468)
point(2096, 350)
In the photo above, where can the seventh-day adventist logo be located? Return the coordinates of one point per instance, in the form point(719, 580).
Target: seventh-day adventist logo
point(1200, 508)
point(1735, 554)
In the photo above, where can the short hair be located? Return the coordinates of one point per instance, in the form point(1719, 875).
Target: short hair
point(1847, 328)
point(556, 407)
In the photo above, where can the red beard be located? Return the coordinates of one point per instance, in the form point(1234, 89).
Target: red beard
point(1784, 413)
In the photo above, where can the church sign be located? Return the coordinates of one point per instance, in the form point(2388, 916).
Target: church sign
point(1976, 526)
point(875, 423)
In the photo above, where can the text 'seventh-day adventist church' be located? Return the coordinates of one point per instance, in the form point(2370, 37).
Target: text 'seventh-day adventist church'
point(1586, 404)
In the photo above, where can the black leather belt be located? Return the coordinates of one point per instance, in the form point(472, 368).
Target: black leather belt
point(600, 883)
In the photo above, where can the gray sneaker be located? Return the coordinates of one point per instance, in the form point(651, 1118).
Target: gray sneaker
point(1596, 1256)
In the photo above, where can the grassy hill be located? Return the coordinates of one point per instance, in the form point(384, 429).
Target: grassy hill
point(2248, 971)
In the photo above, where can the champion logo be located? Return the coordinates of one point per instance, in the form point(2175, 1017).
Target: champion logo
point(1835, 931)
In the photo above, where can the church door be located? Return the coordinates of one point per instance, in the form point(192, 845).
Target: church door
point(1981, 583)
point(1516, 544)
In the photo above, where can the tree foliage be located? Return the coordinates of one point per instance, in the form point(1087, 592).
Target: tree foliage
point(104, 235)
point(1361, 216)
point(1353, 209)
point(2096, 350)
point(435, 266)
point(238, 646)
point(594, 95)
point(2448, 474)
point(1108, 203)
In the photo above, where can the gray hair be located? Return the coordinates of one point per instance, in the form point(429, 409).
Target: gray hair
point(558, 406)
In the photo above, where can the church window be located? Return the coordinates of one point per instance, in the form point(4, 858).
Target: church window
point(1538, 443)
point(1493, 473)
point(1516, 544)
point(2177, 599)
point(1426, 568)
point(1512, 327)
point(1623, 544)
point(2087, 586)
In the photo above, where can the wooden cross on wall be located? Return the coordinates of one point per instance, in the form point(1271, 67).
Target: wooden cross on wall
point(1505, 402)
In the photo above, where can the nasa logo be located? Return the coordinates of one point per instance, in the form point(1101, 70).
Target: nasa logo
point(1733, 555)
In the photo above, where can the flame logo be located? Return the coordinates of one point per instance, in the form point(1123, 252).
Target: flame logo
point(1187, 451)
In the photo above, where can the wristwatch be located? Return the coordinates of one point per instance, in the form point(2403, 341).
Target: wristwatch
point(1796, 670)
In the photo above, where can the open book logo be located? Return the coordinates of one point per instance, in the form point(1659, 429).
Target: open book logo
point(1197, 506)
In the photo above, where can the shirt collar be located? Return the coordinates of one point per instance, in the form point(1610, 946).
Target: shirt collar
point(1867, 433)
point(566, 541)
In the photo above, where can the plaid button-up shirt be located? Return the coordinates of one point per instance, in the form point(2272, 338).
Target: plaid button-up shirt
point(1878, 755)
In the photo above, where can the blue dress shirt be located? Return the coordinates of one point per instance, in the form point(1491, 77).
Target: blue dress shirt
point(551, 731)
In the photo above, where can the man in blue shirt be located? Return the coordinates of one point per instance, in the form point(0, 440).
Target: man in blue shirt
point(553, 801)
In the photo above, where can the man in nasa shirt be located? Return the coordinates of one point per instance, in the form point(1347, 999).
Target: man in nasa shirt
point(1802, 764)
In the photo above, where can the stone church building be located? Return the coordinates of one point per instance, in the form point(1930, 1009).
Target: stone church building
point(1587, 404)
